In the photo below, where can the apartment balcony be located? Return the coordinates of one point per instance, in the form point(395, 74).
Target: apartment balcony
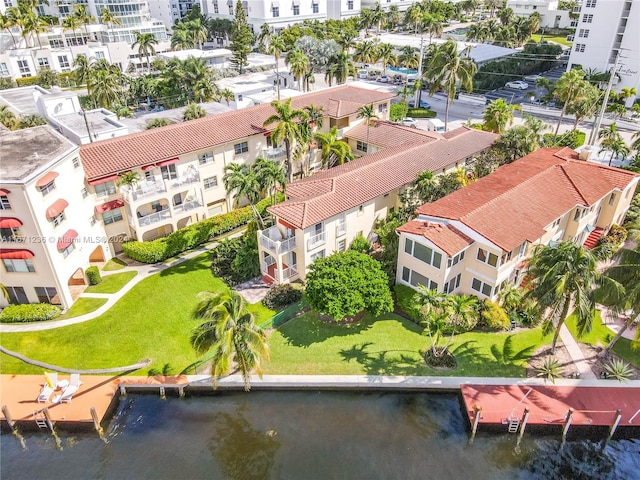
point(150, 219)
point(143, 191)
point(272, 153)
point(271, 270)
point(341, 228)
point(180, 182)
point(187, 206)
point(316, 240)
point(271, 239)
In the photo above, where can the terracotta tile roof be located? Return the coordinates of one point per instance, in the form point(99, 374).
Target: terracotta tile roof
point(517, 201)
point(328, 193)
point(446, 237)
point(123, 153)
point(387, 134)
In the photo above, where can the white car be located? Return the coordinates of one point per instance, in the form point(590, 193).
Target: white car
point(533, 78)
point(518, 85)
point(409, 122)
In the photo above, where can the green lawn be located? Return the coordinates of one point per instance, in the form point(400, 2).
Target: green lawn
point(114, 264)
point(112, 283)
point(150, 321)
point(561, 39)
point(600, 335)
point(83, 305)
point(387, 346)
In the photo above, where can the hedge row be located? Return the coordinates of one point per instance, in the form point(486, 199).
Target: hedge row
point(93, 274)
point(29, 312)
point(189, 237)
point(421, 113)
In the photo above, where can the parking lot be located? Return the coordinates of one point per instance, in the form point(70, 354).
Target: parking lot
point(514, 95)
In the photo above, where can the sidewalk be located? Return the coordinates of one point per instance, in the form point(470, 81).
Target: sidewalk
point(576, 354)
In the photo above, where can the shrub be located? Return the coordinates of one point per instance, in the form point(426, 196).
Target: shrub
point(29, 312)
point(222, 258)
point(27, 81)
point(6, 82)
point(494, 316)
point(405, 300)
point(398, 111)
point(93, 274)
point(571, 139)
point(616, 235)
point(421, 113)
point(360, 244)
point(191, 236)
point(158, 122)
point(281, 296)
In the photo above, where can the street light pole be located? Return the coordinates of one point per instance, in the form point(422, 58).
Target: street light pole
point(598, 120)
point(416, 100)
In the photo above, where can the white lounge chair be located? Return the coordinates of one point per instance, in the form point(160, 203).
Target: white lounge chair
point(50, 384)
point(74, 385)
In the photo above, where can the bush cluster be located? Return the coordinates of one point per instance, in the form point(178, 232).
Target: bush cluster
point(493, 316)
point(282, 295)
point(405, 300)
point(236, 260)
point(190, 236)
point(571, 139)
point(29, 312)
point(421, 113)
point(93, 274)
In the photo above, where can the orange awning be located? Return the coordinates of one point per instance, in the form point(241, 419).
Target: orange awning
point(47, 179)
point(10, 222)
point(57, 207)
point(15, 253)
point(103, 180)
point(67, 239)
point(168, 162)
point(149, 167)
point(4, 191)
point(112, 205)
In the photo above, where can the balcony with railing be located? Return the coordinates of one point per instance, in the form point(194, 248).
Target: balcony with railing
point(179, 182)
point(142, 190)
point(271, 239)
point(187, 206)
point(274, 153)
point(146, 220)
point(316, 240)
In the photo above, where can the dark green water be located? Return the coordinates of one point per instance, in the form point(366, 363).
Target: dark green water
point(306, 436)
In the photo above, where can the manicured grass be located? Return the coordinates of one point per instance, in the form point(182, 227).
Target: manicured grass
point(421, 113)
point(152, 321)
point(114, 264)
point(601, 335)
point(112, 283)
point(390, 345)
point(561, 39)
point(83, 305)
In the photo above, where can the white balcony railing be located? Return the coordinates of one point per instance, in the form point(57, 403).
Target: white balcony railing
point(154, 218)
point(341, 228)
point(316, 240)
point(142, 190)
point(289, 272)
point(187, 206)
point(272, 153)
point(192, 177)
point(281, 246)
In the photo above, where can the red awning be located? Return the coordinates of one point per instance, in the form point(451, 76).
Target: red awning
point(112, 205)
point(15, 253)
point(149, 167)
point(103, 180)
point(168, 162)
point(47, 179)
point(67, 239)
point(286, 224)
point(57, 207)
point(4, 191)
point(10, 222)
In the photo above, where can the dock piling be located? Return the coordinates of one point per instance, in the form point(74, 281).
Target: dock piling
point(523, 425)
point(614, 426)
point(567, 424)
point(51, 425)
point(181, 391)
point(163, 394)
point(476, 419)
point(13, 426)
point(96, 423)
point(123, 390)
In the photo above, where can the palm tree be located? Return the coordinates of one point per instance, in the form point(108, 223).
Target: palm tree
point(409, 57)
point(270, 176)
point(567, 89)
point(103, 83)
point(561, 276)
point(368, 113)
point(426, 186)
point(414, 15)
point(333, 151)
point(432, 24)
point(71, 23)
point(6, 23)
point(498, 114)
point(204, 90)
point(340, 68)
point(366, 51)
point(106, 17)
point(227, 95)
point(620, 291)
point(14, 16)
point(446, 69)
point(506, 15)
point(241, 181)
point(387, 56)
point(181, 38)
point(377, 14)
point(462, 310)
point(492, 5)
point(80, 12)
point(298, 64)
point(393, 16)
point(230, 333)
point(275, 47)
point(286, 129)
point(145, 43)
point(198, 32)
point(617, 147)
point(193, 111)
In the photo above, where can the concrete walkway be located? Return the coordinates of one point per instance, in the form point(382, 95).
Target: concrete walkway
point(576, 354)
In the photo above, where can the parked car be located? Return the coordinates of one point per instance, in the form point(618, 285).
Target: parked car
point(423, 104)
point(518, 85)
point(409, 122)
point(533, 78)
point(383, 79)
point(363, 74)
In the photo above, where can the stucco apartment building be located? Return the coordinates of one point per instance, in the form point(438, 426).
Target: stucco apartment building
point(49, 231)
point(181, 166)
point(322, 214)
point(478, 238)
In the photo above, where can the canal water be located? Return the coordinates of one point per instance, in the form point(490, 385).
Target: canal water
point(306, 436)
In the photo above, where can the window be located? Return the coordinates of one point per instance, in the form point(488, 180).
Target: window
point(205, 158)
point(43, 62)
point(556, 223)
point(169, 172)
point(84, 193)
point(4, 71)
point(17, 295)
point(382, 107)
point(590, 3)
point(319, 254)
point(454, 260)
point(230, 9)
point(361, 210)
point(4, 203)
point(215, 8)
point(481, 287)
point(240, 148)
point(505, 258)
point(47, 295)
point(67, 251)
point(48, 188)
point(275, 11)
point(414, 278)
point(349, 4)
point(112, 216)
point(523, 249)
point(583, 33)
point(76, 162)
point(341, 245)
point(18, 266)
point(104, 189)
point(314, 8)
point(452, 284)
point(210, 182)
point(99, 55)
point(612, 198)
point(64, 62)
point(58, 219)
point(361, 146)
point(422, 253)
point(487, 257)
point(9, 234)
point(296, 9)
point(580, 47)
point(23, 66)
point(587, 18)
point(576, 216)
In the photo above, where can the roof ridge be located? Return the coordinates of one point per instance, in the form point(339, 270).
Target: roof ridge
point(575, 187)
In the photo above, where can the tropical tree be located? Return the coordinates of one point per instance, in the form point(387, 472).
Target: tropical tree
point(567, 89)
point(270, 176)
point(409, 57)
point(340, 68)
point(157, 123)
point(8, 118)
point(432, 24)
point(446, 69)
point(193, 111)
point(104, 84)
point(275, 47)
point(617, 147)
point(506, 15)
point(367, 51)
point(286, 130)
point(71, 23)
point(227, 95)
point(84, 18)
point(181, 38)
point(7, 22)
point(333, 151)
point(241, 39)
point(414, 15)
point(387, 56)
point(108, 18)
point(298, 64)
point(197, 31)
point(393, 16)
point(498, 114)
point(241, 181)
point(145, 43)
point(229, 332)
point(368, 113)
point(561, 276)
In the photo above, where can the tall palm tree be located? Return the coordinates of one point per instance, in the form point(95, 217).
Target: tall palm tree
point(617, 147)
point(230, 333)
point(286, 129)
point(71, 23)
point(365, 52)
point(492, 5)
point(275, 47)
point(409, 57)
point(446, 69)
point(241, 181)
point(181, 38)
point(14, 16)
point(562, 276)
point(414, 15)
point(506, 15)
point(620, 291)
point(333, 151)
point(340, 68)
point(377, 15)
point(145, 43)
point(85, 19)
point(567, 89)
point(387, 56)
point(298, 64)
point(368, 113)
point(108, 18)
point(103, 83)
point(432, 24)
point(270, 176)
point(393, 16)
point(198, 32)
point(498, 114)
point(7, 23)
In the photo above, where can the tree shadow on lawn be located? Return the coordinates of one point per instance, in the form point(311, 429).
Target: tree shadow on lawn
point(308, 329)
point(201, 262)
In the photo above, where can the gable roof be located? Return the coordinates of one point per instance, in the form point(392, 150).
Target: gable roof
point(328, 193)
point(386, 134)
point(446, 237)
point(517, 201)
point(120, 154)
